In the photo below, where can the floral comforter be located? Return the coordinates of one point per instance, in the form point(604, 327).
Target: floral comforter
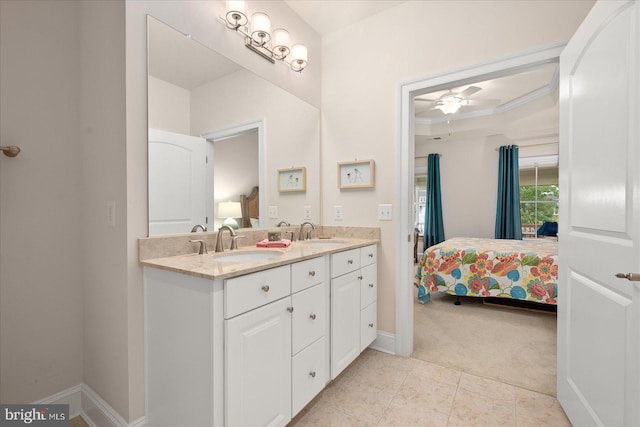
point(466, 266)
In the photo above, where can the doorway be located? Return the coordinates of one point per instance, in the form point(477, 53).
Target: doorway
point(406, 168)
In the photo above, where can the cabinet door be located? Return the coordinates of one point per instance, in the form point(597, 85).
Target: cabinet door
point(345, 321)
point(369, 326)
point(369, 289)
point(345, 262)
point(308, 375)
point(258, 366)
point(308, 316)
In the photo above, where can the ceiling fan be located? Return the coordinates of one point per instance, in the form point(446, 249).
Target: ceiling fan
point(450, 102)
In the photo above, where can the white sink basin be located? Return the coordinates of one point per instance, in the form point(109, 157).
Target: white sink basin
point(247, 256)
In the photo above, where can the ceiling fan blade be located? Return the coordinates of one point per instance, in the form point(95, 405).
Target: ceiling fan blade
point(469, 91)
point(424, 99)
point(484, 102)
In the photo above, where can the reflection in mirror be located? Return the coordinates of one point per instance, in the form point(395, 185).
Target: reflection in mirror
point(209, 142)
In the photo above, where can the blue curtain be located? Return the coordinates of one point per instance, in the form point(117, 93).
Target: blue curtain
point(508, 223)
point(433, 224)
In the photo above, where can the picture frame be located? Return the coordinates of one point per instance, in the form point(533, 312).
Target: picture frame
point(356, 174)
point(292, 180)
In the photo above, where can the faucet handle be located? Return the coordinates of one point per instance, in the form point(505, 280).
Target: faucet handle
point(234, 242)
point(293, 235)
point(203, 246)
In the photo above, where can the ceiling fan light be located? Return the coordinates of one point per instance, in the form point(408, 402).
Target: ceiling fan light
point(451, 104)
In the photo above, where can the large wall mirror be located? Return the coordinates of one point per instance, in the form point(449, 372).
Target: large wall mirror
point(218, 133)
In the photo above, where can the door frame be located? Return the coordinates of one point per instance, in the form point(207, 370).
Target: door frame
point(492, 68)
point(230, 132)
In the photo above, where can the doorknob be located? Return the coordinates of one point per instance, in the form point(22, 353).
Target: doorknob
point(634, 277)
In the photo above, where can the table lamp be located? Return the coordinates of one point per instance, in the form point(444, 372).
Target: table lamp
point(230, 211)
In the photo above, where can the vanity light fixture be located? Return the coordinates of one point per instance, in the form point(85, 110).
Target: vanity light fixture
point(259, 38)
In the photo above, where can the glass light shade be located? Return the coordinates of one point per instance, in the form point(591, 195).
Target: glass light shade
point(451, 104)
point(298, 57)
point(229, 210)
point(260, 28)
point(281, 43)
point(236, 14)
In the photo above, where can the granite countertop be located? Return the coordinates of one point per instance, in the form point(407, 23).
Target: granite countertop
point(206, 266)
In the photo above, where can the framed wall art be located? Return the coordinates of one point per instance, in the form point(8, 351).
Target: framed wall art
point(292, 180)
point(356, 174)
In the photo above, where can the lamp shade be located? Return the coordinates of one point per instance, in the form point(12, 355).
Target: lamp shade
point(236, 13)
point(229, 210)
point(281, 42)
point(298, 57)
point(260, 28)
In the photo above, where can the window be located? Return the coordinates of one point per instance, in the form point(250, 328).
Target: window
point(538, 194)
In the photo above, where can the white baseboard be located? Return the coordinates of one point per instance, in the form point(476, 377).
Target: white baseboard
point(84, 401)
point(385, 342)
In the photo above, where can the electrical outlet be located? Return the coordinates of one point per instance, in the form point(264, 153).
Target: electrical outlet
point(307, 212)
point(111, 213)
point(337, 213)
point(273, 212)
point(384, 212)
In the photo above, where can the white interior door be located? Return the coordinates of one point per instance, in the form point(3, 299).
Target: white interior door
point(599, 314)
point(176, 182)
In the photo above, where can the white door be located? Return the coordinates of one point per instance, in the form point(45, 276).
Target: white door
point(258, 366)
point(176, 182)
point(599, 314)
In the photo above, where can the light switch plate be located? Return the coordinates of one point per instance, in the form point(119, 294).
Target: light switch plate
point(273, 212)
point(385, 212)
point(307, 212)
point(337, 213)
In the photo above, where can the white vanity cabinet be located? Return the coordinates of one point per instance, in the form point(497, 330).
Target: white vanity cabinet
point(254, 349)
point(353, 305)
point(275, 354)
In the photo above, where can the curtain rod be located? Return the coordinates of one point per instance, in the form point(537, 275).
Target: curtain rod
point(424, 157)
point(532, 145)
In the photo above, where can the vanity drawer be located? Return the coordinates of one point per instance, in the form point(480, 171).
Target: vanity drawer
point(308, 375)
point(309, 316)
point(253, 290)
point(307, 273)
point(368, 255)
point(368, 285)
point(345, 262)
point(368, 325)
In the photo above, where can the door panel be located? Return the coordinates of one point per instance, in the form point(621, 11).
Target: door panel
point(176, 182)
point(598, 314)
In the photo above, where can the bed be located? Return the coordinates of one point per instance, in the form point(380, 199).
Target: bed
point(473, 267)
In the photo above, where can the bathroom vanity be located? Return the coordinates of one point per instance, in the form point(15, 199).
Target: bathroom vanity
point(250, 337)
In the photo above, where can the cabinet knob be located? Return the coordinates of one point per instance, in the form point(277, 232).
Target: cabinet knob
point(265, 288)
point(371, 285)
point(360, 277)
point(350, 261)
point(312, 317)
point(312, 374)
point(371, 325)
point(370, 255)
point(312, 273)
point(290, 309)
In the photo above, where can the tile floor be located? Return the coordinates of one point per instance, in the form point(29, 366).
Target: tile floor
point(378, 389)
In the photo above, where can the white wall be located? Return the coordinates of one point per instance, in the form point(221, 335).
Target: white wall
point(292, 134)
point(168, 107)
point(360, 91)
point(41, 320)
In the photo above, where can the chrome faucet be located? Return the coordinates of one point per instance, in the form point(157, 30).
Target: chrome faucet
point(283, 223)
point(301, 233)
point(195, 228)
point(219, 244)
